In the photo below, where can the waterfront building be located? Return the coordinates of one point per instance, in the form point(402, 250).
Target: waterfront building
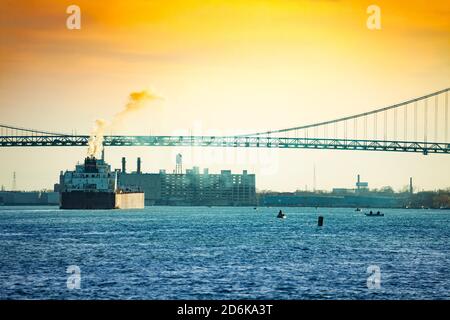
point(192, 187)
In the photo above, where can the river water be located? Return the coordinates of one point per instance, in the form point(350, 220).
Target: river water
point(223, 253)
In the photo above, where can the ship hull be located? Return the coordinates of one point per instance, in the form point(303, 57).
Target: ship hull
point(101, 200)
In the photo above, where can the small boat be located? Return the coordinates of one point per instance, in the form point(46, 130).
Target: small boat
point(371, 214)
point(281, 215)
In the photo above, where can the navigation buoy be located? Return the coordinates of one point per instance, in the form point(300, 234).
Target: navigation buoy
point(320, 221)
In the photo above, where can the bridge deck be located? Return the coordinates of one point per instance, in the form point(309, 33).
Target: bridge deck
point(237, 142)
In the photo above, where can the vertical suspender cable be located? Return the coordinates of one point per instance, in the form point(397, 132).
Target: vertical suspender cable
point(365, 127)
point(446, 116)
point(395, 124)
point(375, 122)
point(436, 110)
point(405, 126)
point(415, 121)
point(425, 121)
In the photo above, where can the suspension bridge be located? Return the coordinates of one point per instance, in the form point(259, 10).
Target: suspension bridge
point(416, 125)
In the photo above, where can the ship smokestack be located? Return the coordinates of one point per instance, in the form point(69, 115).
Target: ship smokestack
point(124, 165)
point(138, 165)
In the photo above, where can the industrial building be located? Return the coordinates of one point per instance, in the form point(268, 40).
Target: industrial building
point(192, 187)
point(361, 188)
point(28, 198)
point(357, 197)
point(334, 200)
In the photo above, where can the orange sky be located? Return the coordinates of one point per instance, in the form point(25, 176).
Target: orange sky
point(224, 67)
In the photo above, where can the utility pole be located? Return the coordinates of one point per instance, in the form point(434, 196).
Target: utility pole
point(314, 178)
point(14, 183)
point(411, 189)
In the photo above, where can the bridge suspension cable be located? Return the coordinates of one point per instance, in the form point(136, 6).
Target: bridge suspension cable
point(374, 114)
point(425, 130)
point(17, 131)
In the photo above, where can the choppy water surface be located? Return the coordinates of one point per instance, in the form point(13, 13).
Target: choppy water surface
point(223, 253)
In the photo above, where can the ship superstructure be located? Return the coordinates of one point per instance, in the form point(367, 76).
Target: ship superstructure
point(93, 175)
point(93, 185)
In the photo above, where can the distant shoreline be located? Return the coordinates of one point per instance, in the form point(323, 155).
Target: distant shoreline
point(252, 207)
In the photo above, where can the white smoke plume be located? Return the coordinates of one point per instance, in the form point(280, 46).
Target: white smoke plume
point(95, 141)
point(136, 101)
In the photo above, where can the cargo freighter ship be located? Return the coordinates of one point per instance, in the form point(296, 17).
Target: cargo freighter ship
point(94, 186)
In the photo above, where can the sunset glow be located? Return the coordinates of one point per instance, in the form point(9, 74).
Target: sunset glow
point(223, 67)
